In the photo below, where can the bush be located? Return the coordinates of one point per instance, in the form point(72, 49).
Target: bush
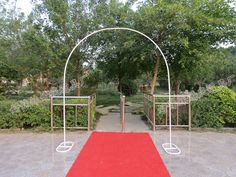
point(217, 108)
point(6, 120)
point(128, 87)
point(71, 119)
point(35, 113)
point(33, 116)
point(107, 97)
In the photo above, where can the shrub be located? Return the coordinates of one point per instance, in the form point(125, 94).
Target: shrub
point(107, 97)
point(128, 87)
point(217, 108)
point(6, 118)
point(32, 116)
point(35, 113)
point(2, 97)
point(71, 119)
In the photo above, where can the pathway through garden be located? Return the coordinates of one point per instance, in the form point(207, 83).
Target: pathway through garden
point(110, 120)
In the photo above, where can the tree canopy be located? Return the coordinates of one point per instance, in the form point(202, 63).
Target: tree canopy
point(189, 33)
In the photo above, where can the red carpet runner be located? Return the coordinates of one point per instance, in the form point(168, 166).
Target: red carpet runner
point(118, 155)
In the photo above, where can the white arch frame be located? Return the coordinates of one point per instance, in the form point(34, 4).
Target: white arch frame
point(66, 146)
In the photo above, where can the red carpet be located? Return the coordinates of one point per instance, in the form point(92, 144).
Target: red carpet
point(118, 155)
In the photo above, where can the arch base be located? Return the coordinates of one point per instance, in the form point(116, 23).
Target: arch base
point(65, 146)
point(171, 149)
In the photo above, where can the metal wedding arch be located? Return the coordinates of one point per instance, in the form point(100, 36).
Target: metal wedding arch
point(66, 146)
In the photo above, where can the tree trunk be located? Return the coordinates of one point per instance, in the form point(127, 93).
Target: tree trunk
point(119, 78)
point(46, 81)
point(177, 86)
point(78, 70)
point(46, 84)
point(154, 79)
point(119, 84)
point(35, 86)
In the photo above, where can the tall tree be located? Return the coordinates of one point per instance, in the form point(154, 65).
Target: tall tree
point(63, 23)
point(186, 29)
point(12, 24)
point(119, 55)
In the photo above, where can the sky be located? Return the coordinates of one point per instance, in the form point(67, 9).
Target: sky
point(24, 6)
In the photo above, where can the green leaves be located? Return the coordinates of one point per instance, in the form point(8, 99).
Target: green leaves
point(187, 32)
point(216, 109)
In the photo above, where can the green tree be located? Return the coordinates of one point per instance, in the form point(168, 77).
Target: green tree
point(12, 24)
point(58, 26)
point(187, 30)
point(218, 64)
point(119, 56)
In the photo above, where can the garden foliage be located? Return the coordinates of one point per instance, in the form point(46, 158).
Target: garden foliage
point(35, 113)
point(128, 87)
point(217, 108)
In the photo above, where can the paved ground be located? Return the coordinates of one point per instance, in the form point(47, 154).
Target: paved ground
point(112, 122)
point(205, 154)
point(34, 155)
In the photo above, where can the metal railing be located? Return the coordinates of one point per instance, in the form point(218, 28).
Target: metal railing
point(83, 109)
point(156, 109)
point(149, 109)
point(122, 111)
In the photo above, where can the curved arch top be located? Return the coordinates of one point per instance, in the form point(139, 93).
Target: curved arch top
point(113, 29)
